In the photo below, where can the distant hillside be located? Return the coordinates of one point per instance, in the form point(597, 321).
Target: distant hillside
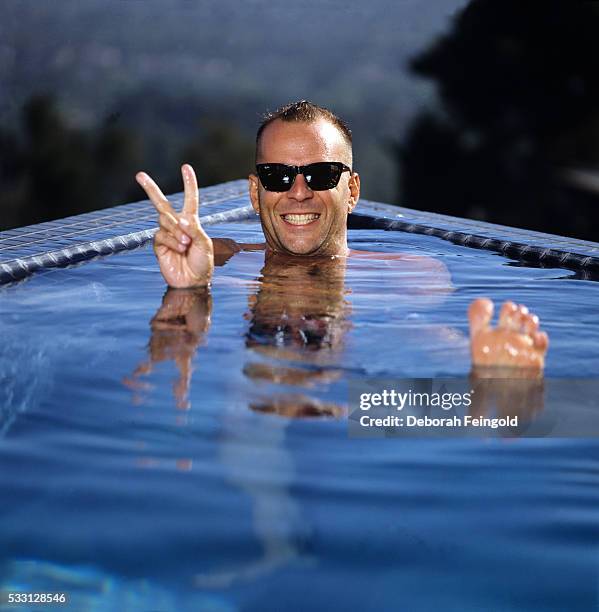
point(95, 56)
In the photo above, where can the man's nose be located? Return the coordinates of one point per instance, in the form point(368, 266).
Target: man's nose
point(300, 189)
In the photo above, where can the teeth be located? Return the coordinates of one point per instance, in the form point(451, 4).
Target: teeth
point(300, 219)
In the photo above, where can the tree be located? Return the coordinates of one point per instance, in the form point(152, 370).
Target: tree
point(519, 93)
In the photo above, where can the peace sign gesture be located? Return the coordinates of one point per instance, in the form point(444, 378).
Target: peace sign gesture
point(184, 251)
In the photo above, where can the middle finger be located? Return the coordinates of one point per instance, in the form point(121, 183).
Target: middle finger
point(192, 196)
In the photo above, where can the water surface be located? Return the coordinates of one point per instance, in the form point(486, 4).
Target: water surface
point(150, 461)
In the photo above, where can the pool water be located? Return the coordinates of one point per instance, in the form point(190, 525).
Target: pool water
point(152, 457)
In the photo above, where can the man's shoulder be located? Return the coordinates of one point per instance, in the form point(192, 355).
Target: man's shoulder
point(409, 274)
point(403, 258)
point(228, 246)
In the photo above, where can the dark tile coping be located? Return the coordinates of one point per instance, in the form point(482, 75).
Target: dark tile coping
point(78, 238)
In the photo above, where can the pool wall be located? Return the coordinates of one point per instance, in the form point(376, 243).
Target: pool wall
point(76, 239)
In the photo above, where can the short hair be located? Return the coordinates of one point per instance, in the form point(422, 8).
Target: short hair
point(303, 111)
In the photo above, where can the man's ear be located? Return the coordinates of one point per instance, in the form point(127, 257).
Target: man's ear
point(354, 191)
point(253, 188)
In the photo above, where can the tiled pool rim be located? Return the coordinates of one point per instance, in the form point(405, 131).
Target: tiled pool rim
point(76, 239)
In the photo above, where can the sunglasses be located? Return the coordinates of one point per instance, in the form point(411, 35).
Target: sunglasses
point(319, 176)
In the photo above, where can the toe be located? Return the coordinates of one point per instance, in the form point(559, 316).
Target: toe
point(480, 313)
point(530, 324)
point(507, 316)
point(520, 317)
point(541, 340)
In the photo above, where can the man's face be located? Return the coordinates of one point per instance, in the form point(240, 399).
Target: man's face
point(302, 221)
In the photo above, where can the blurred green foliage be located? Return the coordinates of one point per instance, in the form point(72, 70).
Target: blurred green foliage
point(520, 109)
point(49, 169)
point(150, 85)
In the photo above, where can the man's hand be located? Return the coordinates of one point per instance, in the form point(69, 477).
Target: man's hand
point(516, 342)
point(184, 250)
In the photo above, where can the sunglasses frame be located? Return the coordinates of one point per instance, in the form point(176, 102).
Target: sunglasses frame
point(300, 170)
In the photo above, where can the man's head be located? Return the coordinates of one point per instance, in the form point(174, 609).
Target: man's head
point(305, 220)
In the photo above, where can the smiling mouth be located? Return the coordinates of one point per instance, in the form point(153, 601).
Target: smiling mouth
point(303, 219)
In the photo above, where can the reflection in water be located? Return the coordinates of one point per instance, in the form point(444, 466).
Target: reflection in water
point(297, 406)
point(507, 392)
point(178, 329)
point(299, 315)
point(298, 320)
point(249, 448)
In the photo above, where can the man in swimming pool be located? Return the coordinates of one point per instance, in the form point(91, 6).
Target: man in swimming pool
point(303, 190)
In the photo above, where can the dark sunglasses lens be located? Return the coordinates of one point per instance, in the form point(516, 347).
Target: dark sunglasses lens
point(319, 176)
point(322, 176)
point(276, 177)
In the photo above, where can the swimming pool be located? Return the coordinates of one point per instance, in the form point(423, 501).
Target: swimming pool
point(151, 462)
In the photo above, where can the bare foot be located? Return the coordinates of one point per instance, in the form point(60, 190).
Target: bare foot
point(516, 342)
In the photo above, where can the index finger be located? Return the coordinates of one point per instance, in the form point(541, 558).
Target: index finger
point(155, 194)
point(191, 204)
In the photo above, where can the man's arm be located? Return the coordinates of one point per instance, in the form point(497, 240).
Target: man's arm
point(515, 348)
point(184, 251)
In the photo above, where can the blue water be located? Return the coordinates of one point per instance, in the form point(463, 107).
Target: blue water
point(149, 467)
